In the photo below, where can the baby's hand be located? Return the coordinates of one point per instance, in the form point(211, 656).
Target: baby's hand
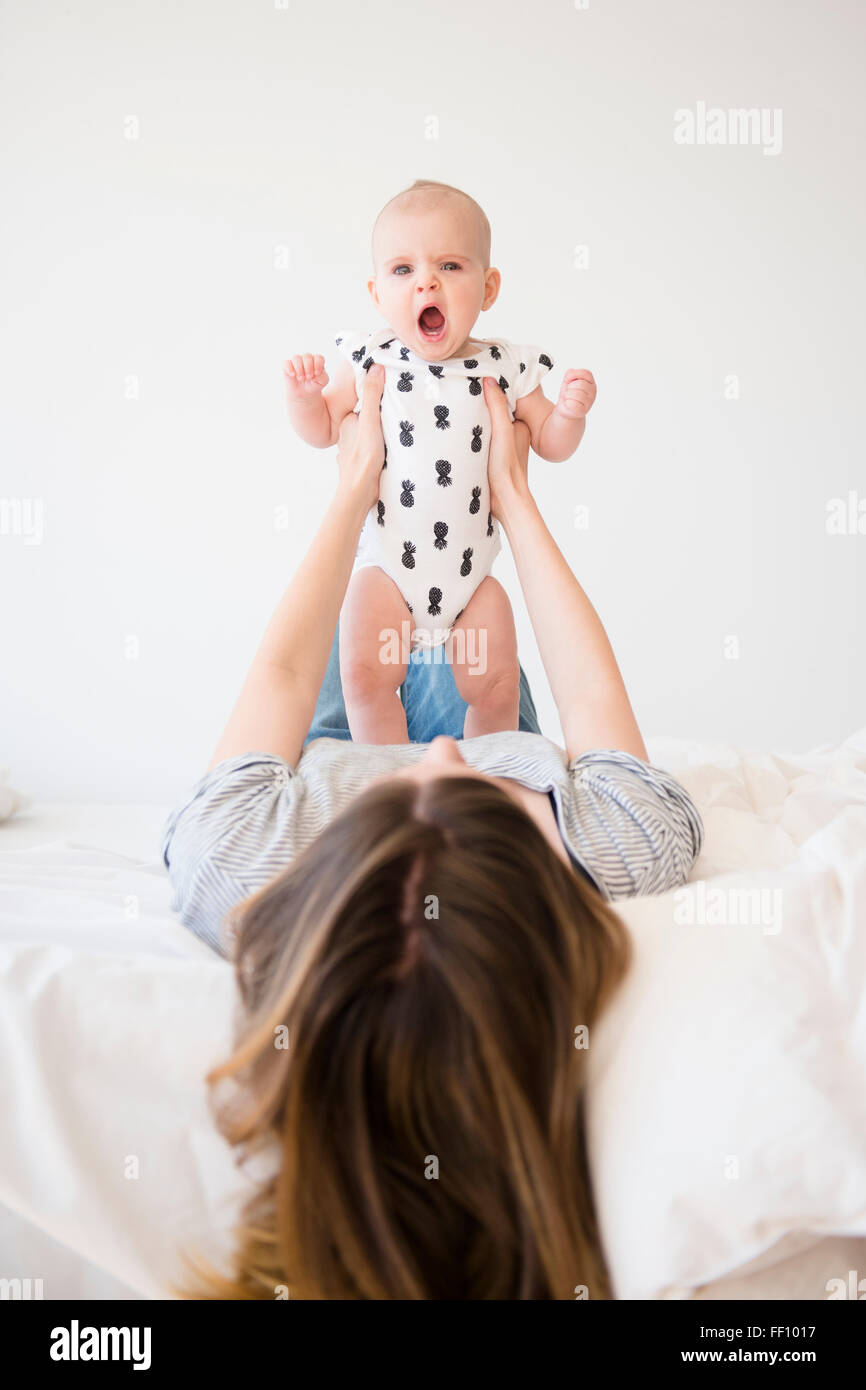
point(577, 393)
point(305, 377)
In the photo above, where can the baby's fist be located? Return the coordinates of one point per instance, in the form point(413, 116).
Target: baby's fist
point(305, 377)
point(577, 393)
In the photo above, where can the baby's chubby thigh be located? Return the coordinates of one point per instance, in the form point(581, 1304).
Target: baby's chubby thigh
point(482, 647)
point(373, 652)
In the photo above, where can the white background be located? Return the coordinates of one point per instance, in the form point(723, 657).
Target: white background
point(234, 231)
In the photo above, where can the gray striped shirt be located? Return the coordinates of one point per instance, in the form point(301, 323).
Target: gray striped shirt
point(629, 827)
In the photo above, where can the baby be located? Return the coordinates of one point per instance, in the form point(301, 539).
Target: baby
point(427, 547)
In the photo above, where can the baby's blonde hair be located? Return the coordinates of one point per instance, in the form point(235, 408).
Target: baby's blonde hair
point(429, 193)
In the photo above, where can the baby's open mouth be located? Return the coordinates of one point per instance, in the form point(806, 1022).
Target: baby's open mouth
point(431, 323)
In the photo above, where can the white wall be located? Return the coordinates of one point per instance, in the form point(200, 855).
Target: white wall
point(264, 127)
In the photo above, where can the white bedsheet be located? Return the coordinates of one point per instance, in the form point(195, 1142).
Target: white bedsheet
point(110, 1013)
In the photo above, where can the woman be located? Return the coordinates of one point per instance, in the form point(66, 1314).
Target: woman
point(421, 935)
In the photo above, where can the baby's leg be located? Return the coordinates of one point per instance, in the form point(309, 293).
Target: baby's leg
point(371, 668)
point(482, 650)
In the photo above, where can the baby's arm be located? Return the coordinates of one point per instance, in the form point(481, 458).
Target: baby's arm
point(315, 413)
point(556, 430)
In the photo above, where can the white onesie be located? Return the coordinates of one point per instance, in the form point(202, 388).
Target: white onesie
point(431, 529)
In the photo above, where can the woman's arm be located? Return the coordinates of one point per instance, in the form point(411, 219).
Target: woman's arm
point(590, 695)
point(275, 708)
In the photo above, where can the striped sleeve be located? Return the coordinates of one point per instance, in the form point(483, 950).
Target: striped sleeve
point(205, 884)
point(638, 830)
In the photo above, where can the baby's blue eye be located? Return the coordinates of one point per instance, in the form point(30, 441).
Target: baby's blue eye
point(398, 268)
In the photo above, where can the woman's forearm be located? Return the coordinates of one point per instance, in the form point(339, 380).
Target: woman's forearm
point(299, 635)
point(585, 680)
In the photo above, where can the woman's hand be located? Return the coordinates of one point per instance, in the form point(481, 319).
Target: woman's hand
point(361, 448)
point(507, 466)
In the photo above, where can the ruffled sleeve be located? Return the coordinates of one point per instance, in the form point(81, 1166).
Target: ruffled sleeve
point(530, 365)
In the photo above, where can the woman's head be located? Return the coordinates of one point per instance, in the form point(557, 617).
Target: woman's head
point(411, 987)
point(431, 244)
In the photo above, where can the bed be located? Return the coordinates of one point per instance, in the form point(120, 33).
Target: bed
point(111, 1013)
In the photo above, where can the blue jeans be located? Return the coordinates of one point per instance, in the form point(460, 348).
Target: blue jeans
point(429, 695)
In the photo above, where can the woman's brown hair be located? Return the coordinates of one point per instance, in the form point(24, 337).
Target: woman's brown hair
point(407, 1057)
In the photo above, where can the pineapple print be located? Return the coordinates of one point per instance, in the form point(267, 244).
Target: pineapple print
point(368, 364)
point(494, 352)
point(435, 368)
point(466, 567)
point(440, 531)
point(435, 597)
point(475, 504)
point(470, 362)
point(475, 386)
point(503, 383)
point(476, 439)
point(441, 413)
point(443, 468)
point(406, 428)
point(408, 557)
point(359, 354)
point(545, 360)
point(490, 523)
point(404, 382)
point(380, 510)
point(406, 495)
point(404, 354)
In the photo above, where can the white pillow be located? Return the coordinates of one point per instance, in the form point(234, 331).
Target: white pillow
point(10, 801)
point(726, 1106)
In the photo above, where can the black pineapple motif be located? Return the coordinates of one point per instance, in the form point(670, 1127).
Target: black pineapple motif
point(494, 352)
point(441, 413)
point(359, 354)
point(435, 597)
point(436, 368)
point(385, 464)
point(440, 531)
point(490, 523)
point(475, 504)
point(404, 382)
point(408, 556)
point(503, 383)
point(406, 495)
point(380, 510)
point(404, 354)
point(470, 362)
point(387, 344)
point(523, 366)
point(466, 567)
point(476, 439)
point(475, 386)
point(443, 468)
point(545, 360)
point(406, 428)
point(368, 364)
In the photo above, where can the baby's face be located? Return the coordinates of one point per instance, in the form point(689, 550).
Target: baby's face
point(431, 257)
